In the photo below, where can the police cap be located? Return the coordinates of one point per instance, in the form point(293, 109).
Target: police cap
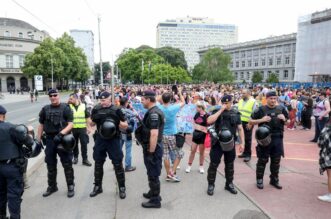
point(3, 111)
point(226, 98)
point(104, 95)
point(271, 94)
point(149, 93)
point(53, 91)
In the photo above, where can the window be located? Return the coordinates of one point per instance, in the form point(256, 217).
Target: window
point(263, 62)
point(243, 54)
point(256, 63)
point(271, 61)
point(278, 49)
point(279, 60)
point(263, 51)
point(277, 73)
point(30, 35)
point(243, 64)
point(249, 63)
point(269, 73)
point(287, 60)
point(285, 74)
point(236, 75)
point(241, 75)
point(237, 55)
point(271, 50)
point(21, 60)
point(7, 33)
point(287, 48)
point(256, 52)
point(237, 64)
point(231, 64)
point(248, 75)
point(249, 53)
point(9, 61)
point(20, 35)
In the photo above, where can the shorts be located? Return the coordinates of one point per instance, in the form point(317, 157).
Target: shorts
point(198, 137)
point(169, 144)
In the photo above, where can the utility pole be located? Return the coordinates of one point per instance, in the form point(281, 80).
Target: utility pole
point(117, 73)
point(101, 72)
point(142, 72)
point(112, 84)
point(52, 71)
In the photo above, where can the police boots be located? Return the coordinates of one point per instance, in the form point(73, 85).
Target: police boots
point(229, 171)
point(98, 175)
point(274, 169)
point(120, 176)
point(51, 174)
point(260, 167)
point(211, 177)
point(69, 174)
point(154, 198)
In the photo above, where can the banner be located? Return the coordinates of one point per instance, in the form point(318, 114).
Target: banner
point(184, 120)
point(139, 108)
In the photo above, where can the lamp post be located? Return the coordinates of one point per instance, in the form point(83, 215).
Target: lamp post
point(142, 71)
point(52, 71)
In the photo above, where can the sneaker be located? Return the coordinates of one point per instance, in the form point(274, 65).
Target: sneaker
point(325, 198)
point(201, 170)
point(172, 177)
point(178, 167)
point(188, 169)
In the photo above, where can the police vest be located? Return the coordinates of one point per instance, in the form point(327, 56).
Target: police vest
point(8, 148)
point(246, 109)
point(79, 116)
point(227, 120)
point(101, 114)
point(54, 121)
point(276, 125)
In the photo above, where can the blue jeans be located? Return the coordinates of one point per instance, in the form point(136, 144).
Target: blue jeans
point(128, 154)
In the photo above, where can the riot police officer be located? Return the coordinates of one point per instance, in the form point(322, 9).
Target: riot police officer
point(56, 120)
point(149, 135)
point(274, 117)
point(227, 121)
point(11, 167)
point(109, 119)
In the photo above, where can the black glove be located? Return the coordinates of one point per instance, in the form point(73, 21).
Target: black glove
point(150, 157)
point(58, 139)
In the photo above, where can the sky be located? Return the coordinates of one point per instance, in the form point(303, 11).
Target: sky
point(131, 23)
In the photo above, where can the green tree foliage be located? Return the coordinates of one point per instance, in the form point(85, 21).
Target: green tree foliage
point(257, 77)
point(213, 67)
point(105, 69)
point(273, 78)
point(165, 73)
point(144, 47)
point(175, 57)
point(68, 61)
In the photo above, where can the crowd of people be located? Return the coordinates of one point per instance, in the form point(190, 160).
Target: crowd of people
point(226, 114)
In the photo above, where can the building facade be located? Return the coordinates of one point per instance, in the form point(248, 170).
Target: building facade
point(269, 55)
point(190, 33)
point(85, 40)
point(313, 50)
point(17, 38)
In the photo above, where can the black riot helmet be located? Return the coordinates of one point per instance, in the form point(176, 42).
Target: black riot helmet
point(108, 129)
point(226, 139)
point(263, 135)
point(20, 133)
point(67, 143)
point(34, 150)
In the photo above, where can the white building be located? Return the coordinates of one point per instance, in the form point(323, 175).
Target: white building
point(17, 38)
point(85, 40)
point(190, 33)
point(313, 48)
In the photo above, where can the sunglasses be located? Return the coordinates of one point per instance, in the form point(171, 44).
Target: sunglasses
point(53, 95)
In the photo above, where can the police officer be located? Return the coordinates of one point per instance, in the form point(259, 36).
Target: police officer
point(275, 117)
point(109, 119)
point(11, 169)
point(81, 127)
point(153, 124)
point(56, 121)
point(227, 121)
point(246, 107)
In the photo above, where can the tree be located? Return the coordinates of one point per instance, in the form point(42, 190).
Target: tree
point(165, 73)
point(273, 78)
point(144, 47)
point(257, 77)
point(214, 67)
point(175, 57)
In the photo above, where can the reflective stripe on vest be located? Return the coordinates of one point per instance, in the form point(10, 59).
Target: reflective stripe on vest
point(79, 116)
point(246, 109)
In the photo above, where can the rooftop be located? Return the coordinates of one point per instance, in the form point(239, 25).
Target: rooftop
point(10, 22)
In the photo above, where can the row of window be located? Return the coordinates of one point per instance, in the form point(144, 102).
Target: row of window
point(270, 50)
point(9, 63)
point(29, 35)
point(263, 62)
point(248, 75)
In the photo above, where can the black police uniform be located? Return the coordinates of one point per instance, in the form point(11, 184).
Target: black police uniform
point(275, 149)
point(153, 119)
point(111, 147)
point(11, 172)
point(55, 119)
point(229, 119)
point(81, 136)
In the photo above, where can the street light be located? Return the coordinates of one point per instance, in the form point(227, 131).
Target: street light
point(52, 71)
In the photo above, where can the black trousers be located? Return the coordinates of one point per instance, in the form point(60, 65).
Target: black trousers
point(80, 134)
point(248, 139)
point(306, 117)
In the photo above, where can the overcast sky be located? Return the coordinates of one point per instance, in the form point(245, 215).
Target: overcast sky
point(131, 23)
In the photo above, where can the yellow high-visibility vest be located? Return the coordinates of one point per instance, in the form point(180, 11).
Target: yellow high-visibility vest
point(79, 116)
point(246, 109)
